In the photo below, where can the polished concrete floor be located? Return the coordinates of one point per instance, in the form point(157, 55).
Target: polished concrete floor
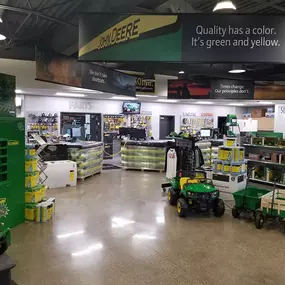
point(116, 228)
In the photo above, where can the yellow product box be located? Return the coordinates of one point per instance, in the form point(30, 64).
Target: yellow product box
point(225, 153)
point(226, 168)
point(31, 179)
point(236, 168)
point(230, 142)
point(31, 165)
point(34, 195)
point(30, 151)
point(239, 154)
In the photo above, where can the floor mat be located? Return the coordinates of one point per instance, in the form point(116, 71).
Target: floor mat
point(110, 166)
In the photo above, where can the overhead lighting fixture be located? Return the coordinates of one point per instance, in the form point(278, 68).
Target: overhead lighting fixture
point(18, 101)
point(67, 235)
point(236, 104)
point(237, 68)
point(167, 100)
point(18, 91)
point(222, 5)
point(88, 250)
point(123, 98)
point(204, 103)
point(1, 21)
point(69, 94)
point(181, 72)
point(146, 96)
point(266, 103)
point(2, 37)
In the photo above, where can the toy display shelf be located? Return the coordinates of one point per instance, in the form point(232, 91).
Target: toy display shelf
point(267, 147)
point(88, 156)
point(144, 155)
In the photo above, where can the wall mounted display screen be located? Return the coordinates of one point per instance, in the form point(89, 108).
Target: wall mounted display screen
point(131, 108)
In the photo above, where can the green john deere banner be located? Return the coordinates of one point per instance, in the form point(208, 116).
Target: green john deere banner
point(130, 38)
point(182, 38)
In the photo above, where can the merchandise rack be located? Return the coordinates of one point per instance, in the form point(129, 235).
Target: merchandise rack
point(271, 167)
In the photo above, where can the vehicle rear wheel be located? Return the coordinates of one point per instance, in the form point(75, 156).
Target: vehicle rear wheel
point(259, 219)
point(235, 212)
point(172, 197)
point(182, 207)
point(219, 208)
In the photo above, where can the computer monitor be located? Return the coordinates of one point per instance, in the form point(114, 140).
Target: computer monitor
point(206, 133)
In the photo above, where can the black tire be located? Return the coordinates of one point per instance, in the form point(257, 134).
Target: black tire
point(235, 212)
point(172, 197)
point(219, 208)
point(182, 207)
point(259, 219)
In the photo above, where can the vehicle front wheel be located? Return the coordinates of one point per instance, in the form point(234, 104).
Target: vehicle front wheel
point(172, 196)
point(259, 219)
point(235, 212)
point(182, 207)
point(219, 208)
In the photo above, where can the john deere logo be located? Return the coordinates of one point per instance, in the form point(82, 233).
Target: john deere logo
point(12, 143)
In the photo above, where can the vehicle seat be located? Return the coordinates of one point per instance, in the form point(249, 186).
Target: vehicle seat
point(184, 180)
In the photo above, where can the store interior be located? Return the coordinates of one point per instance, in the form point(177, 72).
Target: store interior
point(141, 171)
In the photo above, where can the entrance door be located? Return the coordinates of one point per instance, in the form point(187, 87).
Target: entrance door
point(166, 126)
point(222, 121)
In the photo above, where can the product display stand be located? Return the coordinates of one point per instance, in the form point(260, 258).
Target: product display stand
point(88, 156)
point(144, 155)
point(6, 264)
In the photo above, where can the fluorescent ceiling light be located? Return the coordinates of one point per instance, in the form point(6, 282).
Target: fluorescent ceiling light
point(18, 91)
point(88, 250)
point(236, 104)
point(123, 98)
point(237, 68)
point(67, 235)
point(18, 101)
point(181, 72)
point(224, 5)
point(1, 21)
point(167, 100)
point(144, 237)
point(2, 37)
point(266, 103)
point(150, 96)
point(70, 94)
point(204, 103)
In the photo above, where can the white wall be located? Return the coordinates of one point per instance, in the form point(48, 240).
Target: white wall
point(60, 104)
point(279, 120)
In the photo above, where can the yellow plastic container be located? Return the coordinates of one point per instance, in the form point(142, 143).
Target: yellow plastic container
point(239, 154)
point(31, 165)
point(30, 212)
point(31, 179)
point(236, 169)
point(226, 168)
point(225, 153)
point(230, 142)
point(30, 151)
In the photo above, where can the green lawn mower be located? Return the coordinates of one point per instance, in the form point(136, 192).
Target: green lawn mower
point(4, 233)
point(190, 189)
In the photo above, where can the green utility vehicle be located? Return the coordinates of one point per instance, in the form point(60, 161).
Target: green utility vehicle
point(195, 193)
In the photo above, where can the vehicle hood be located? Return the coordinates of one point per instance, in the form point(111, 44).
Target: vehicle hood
point(201, 188)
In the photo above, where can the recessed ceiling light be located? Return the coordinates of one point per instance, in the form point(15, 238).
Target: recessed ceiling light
point(266, 103)
point(237, 68)
point(236, 104)
point(70, 94)
point(2, 37)
point(123, 98)
point(204, 102)
point(150, 96)
point(221, 5)
point(181, 72)
point(167, 100)
point(18, 91)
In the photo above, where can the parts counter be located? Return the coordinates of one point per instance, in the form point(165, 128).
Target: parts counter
point(148, 155)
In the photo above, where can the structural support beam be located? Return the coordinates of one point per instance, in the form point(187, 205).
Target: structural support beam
point(36, 13)
point(176, 6)
point(262, 5)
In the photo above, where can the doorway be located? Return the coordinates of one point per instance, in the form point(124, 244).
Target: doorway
point(166, 126)
point(222, 121)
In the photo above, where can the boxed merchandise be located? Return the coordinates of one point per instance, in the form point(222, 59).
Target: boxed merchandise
point(31, 179)
point(230, 142)
point(258, 113)
point(35, 194)
point(30, 151)
point(30, 212)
